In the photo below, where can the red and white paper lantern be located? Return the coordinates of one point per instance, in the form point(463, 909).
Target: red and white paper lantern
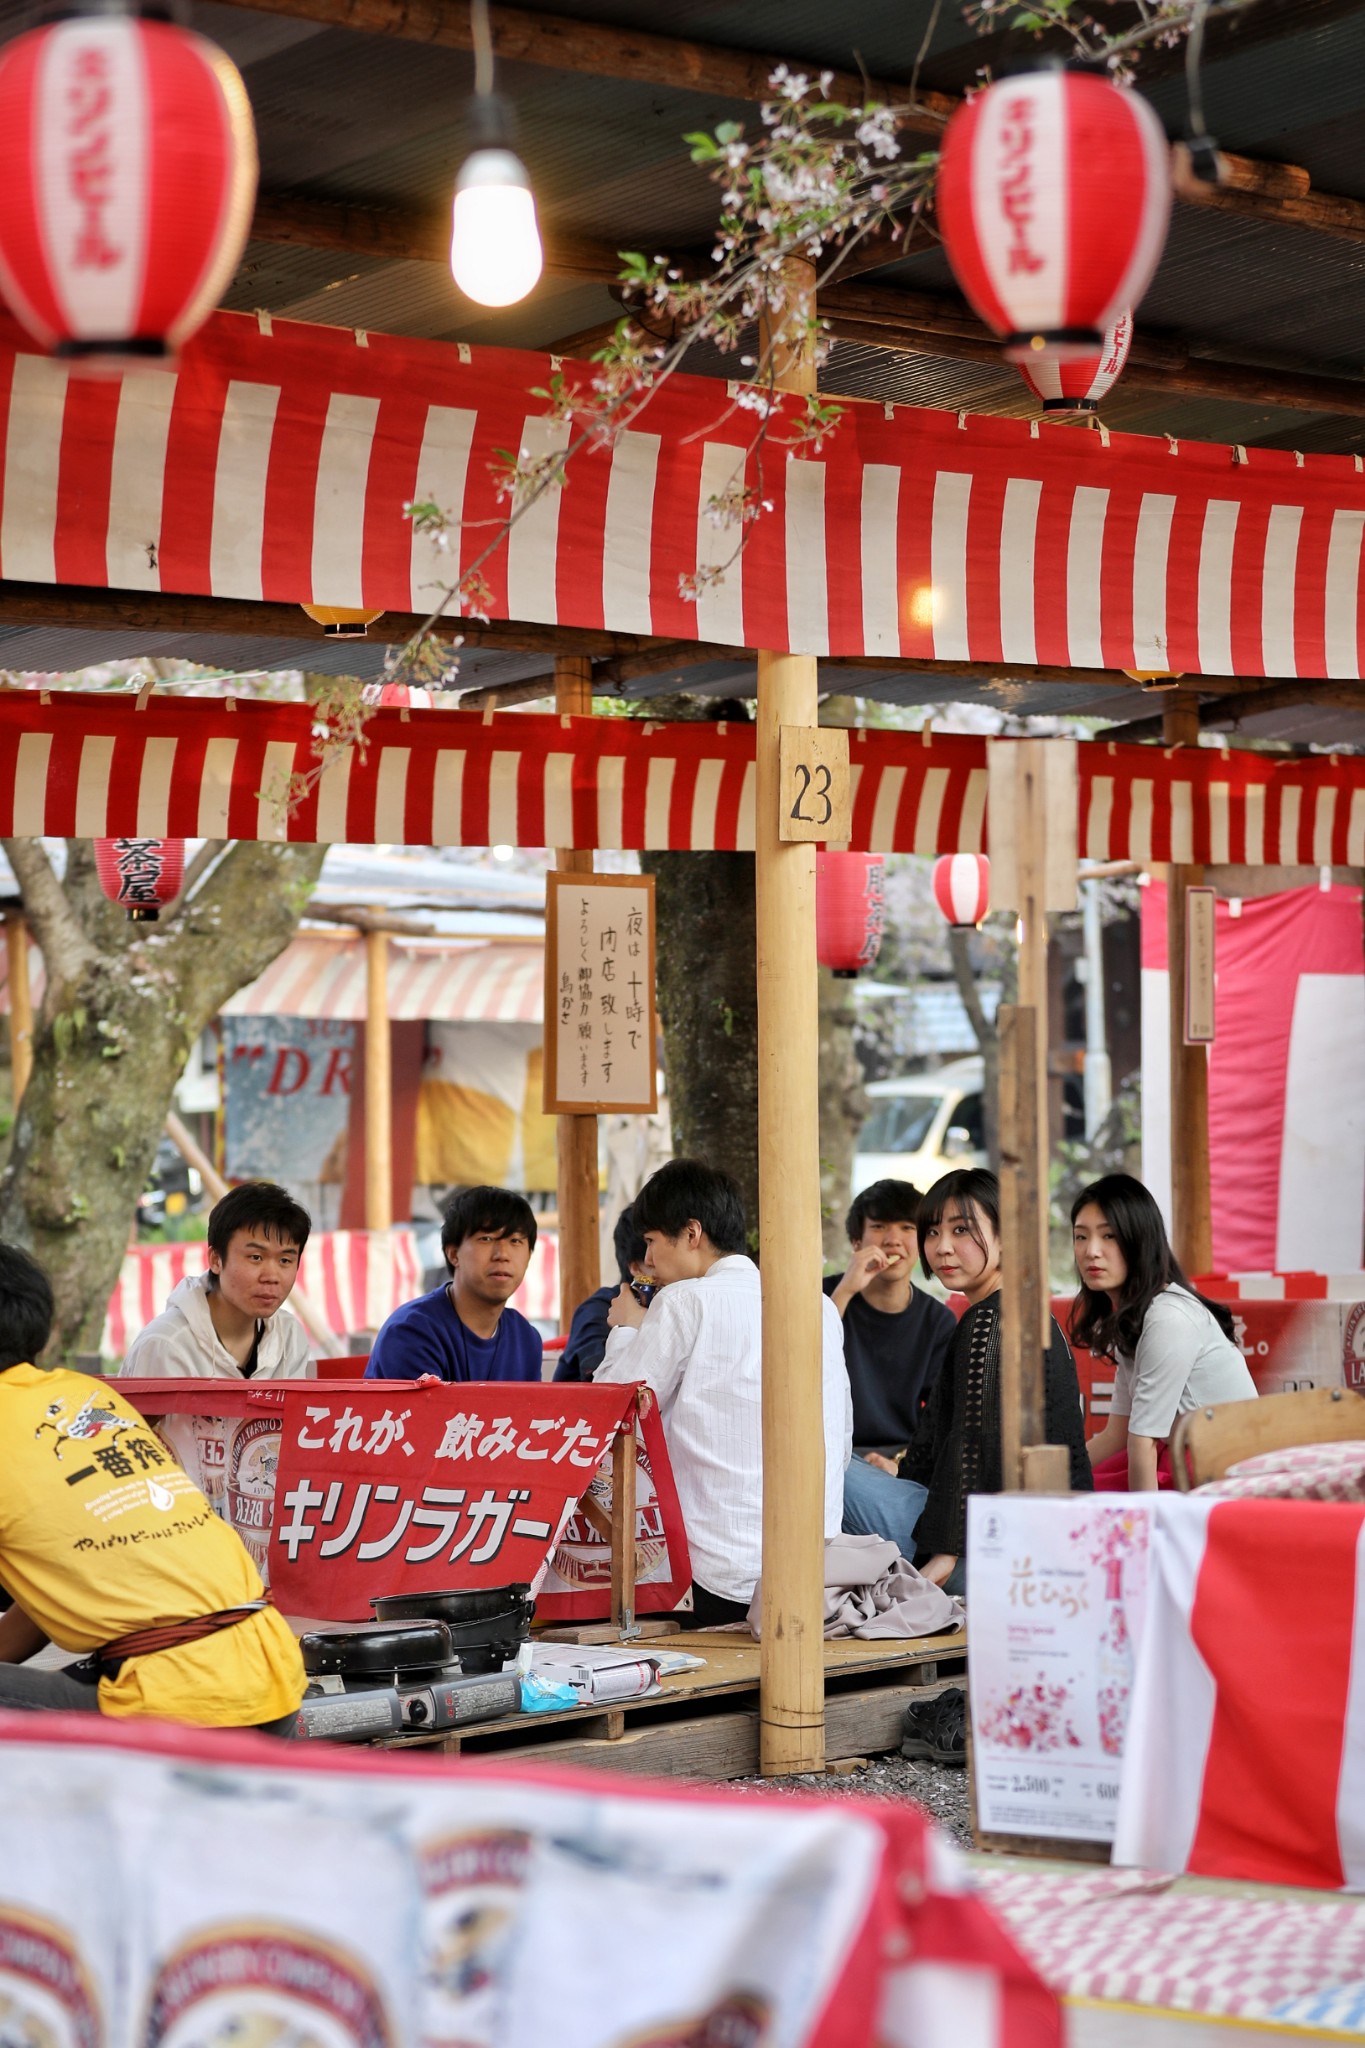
point(962, 887)
point(140, 875)
point(127, 180)
point(850, 910)
point(1072, 391)
point(1054, 191)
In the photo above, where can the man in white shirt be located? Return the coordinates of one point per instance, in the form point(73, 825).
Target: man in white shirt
point(230, 1323)
point(698, 1346)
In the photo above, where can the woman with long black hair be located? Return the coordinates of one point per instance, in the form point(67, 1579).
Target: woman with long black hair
point(957, 1450)
point(1172, 1349)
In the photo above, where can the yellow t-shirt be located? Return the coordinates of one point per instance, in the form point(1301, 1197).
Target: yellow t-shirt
point(102, 1533)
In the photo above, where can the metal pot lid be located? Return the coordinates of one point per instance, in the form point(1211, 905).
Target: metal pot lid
point(458, 1604)
point(378, 1649)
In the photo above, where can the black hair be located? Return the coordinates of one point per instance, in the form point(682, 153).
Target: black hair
point(257, 1205)
point(1132, 1214)
point(25, 1308)
point(498, 1210)
point(631, 1249)
point(976, 1192)
point(886, 1201)
point(687, 1191)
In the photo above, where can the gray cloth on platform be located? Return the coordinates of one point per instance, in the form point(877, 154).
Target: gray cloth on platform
point(874, 1593)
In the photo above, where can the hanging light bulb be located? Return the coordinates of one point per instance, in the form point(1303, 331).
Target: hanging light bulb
point(495, 252)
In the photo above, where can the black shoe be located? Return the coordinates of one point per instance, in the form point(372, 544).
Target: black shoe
point(937, 1729)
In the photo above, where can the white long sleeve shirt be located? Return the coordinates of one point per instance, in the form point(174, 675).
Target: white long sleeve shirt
point(699, 1349)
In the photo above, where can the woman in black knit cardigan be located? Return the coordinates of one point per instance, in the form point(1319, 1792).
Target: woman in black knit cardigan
point(957, 1449)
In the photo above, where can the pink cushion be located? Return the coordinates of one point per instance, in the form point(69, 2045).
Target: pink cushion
point(1299, 1472)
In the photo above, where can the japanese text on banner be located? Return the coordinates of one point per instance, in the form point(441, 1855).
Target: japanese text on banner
point(425, 1489)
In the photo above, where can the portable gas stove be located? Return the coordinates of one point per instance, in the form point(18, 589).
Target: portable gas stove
point(381, 1679)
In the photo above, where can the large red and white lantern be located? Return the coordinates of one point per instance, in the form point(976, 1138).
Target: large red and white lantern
point(127, 180)
point(1054, 191)
point(850, 910)
point(962, 887)
point(140, 875)
point(1072, 391)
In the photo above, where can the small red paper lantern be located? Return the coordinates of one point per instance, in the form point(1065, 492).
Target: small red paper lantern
point(140, 874)
point(127, 179)
point(1054, 191)
point(962, 887)
point(1071, 391)
point(850, 910)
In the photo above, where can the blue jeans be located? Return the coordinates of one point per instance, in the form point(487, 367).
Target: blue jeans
point(876, 1504)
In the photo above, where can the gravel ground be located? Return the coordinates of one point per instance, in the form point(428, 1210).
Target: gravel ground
point(941, 1789)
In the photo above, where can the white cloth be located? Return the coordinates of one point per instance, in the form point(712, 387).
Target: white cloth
point(699, 1349)
point(181, 1343)
point(1183, 1362)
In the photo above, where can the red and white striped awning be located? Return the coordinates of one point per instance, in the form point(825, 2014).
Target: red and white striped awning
point(321, 975)
point(89, 766)
point(276, 461)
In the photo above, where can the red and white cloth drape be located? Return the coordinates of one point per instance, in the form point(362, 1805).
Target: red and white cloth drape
point(276, 462)
point(92, 766)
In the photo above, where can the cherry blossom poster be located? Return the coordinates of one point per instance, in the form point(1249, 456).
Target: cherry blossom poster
point(1058, 1588)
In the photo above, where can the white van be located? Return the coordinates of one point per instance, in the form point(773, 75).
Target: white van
point(922, 1126)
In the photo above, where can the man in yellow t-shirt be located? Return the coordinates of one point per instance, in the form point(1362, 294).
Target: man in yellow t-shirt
point(106, 1545)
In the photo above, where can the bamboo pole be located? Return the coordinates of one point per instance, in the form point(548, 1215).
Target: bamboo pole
point(1191, 1207)
point(580, 1250)
point(20, 1005)
point(792, 1666)
point(378, 1085)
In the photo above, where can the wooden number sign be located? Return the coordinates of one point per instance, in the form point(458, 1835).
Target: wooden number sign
point(814, 782)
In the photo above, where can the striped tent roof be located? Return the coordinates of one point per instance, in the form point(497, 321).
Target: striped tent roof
point(320, 974)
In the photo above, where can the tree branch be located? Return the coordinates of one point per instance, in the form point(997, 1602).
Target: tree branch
point(65, 948)
point(208, 854)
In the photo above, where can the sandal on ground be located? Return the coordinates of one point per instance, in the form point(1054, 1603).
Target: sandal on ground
point(936, 1731)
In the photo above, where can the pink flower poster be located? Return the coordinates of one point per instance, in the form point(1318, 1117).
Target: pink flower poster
point(1057, 1590)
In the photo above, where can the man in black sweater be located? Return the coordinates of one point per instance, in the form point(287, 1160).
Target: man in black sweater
point(895, 1340)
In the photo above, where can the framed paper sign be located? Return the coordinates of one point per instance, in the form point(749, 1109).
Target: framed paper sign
point(599, 994)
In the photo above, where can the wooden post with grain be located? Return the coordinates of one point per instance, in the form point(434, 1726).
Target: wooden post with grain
point(1191, 1209)
point(792, 1665)
point(580, 1256)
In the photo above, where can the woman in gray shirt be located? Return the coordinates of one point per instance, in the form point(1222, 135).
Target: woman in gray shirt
point(1172, 1348)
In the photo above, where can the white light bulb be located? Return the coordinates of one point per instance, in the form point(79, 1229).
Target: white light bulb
point(495, 252)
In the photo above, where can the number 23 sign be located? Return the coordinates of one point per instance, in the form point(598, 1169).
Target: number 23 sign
point(814, 781)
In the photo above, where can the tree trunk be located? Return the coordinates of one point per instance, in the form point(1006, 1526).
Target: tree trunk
point(843, 1106)
point(122, 1007)
point(708, 1006)
point(959, 946)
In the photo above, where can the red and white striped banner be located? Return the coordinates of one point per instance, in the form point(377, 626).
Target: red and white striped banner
point(276, 461)
point(1245, 1755)
point(94, 766)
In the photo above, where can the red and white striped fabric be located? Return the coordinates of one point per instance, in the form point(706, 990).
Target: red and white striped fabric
point(127, 176)
point(1053, 196)
point(1072, 390)
point(96, 766)
point(276, 463)
point(1245, 1755)
point(962, 887)
point(321, 976)
point(353, 1277)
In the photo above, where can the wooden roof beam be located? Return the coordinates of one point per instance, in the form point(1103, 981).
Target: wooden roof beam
point(1236, 705)
point(1264, 190)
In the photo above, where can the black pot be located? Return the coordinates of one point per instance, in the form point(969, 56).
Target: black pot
point(379, 1654)
point(485, 1638)
point(482, 1603)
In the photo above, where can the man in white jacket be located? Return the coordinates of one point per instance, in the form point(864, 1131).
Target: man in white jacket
point(231, 1322)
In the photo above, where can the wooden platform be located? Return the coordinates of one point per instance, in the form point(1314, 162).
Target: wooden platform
point(704, 1724)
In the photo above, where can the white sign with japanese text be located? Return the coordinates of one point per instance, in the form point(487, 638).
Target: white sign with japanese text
point(1058, 1588)
point(599, 994)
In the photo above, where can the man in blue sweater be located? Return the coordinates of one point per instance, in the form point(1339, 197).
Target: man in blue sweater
point(465, 1330)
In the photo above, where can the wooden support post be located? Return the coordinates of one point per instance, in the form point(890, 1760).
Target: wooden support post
point(580, 1248)
point(378, 1086)
point(792, 1666)
point(1023, 1304)
point(623, 1531)
point(20, 1005)
point(1191, 1210)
